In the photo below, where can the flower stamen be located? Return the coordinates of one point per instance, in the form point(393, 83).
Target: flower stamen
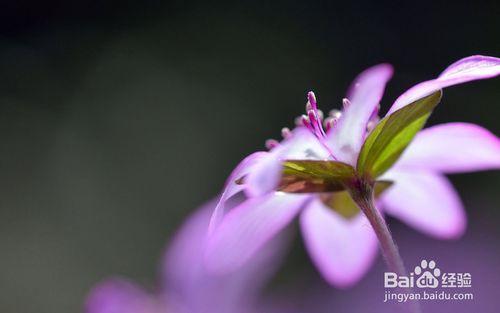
point(346, 103)
point(271, 144)
point(329, 123)
point(286, 133)
point(314, 118)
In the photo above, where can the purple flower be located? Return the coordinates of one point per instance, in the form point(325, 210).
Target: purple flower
point(339, 239)
point(186, 286)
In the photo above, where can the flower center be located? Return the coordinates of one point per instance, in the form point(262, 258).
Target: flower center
point(314, 120)
point(319, 125)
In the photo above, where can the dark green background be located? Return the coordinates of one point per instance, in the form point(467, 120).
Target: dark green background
point(119, 118)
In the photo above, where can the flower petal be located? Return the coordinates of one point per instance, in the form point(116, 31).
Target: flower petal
point(425, 201)
point(120, 296)
point(265, 176)
point(342, 249)
point(473, 66)
point(465, 70)
point(232, 188)
point(247, 227)
point(188, 282)
point(346, 138)
point(452, 148)
point(303, 145)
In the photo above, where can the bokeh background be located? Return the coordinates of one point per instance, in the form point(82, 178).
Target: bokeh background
point(119, 118)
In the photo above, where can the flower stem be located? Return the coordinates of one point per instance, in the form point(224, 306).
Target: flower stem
point(362, 194)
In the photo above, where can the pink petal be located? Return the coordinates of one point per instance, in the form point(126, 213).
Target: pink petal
point(452, 148)
point(465, 70)
point(342, 249)
point(246, 228)
point(120, 296)
point(473, 66)
point(188, 282)
point(265, 176)
point(425, 201)
point(346, 138)
point(303, 145)
point(232, 188)
point(182, 264)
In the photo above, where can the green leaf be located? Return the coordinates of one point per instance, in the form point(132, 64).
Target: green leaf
point(393, 134)
point(304, 176)
point(342, 203)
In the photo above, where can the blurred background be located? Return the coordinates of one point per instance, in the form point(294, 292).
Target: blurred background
point(119, 118)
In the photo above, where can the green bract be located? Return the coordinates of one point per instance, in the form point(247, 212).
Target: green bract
point(392, 135)
point(301, 176)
